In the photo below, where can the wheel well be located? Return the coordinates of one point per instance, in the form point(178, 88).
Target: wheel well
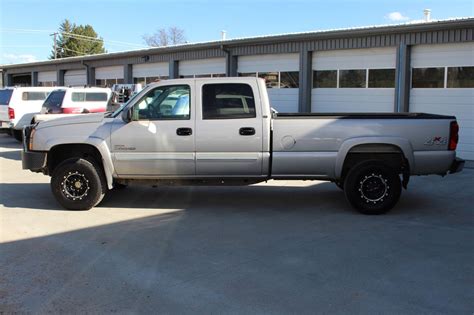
point(62, 152)
point(390, 154)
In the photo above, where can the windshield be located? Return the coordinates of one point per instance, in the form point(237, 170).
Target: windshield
point(5, 96)
point(54, 100)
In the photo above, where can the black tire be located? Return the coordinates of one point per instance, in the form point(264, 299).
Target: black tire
point(372, 187)
point(18, 135)
point(78, 184)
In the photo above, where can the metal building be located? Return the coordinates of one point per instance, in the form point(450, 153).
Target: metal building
point(418, 67)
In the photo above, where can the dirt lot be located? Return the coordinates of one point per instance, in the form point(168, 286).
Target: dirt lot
point(281, 247)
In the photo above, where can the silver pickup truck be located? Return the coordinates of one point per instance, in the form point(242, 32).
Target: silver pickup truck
point(223, 132)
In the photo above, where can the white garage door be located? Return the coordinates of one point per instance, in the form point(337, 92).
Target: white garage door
point(145, 70)
point(212, 66)
point(47, 76)
point(447, 67)
point(354, 80)
point(75, 78)
point(281, 73)
point(114, 72)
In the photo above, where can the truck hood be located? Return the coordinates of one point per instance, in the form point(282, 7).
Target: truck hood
point(71, 119)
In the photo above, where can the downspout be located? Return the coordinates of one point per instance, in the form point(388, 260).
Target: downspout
point(87, 72)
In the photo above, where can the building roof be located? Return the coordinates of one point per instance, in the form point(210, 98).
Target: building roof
point(286, 37)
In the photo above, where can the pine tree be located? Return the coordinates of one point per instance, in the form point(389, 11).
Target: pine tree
point(86, 41)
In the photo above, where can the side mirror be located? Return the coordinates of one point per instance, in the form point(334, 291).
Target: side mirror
point(127, 115)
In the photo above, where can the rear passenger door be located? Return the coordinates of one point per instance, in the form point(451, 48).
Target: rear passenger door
point(228, 130)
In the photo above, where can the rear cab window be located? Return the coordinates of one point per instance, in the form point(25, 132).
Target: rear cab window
point(228, 101)
point(54, 101)
point(5, 96)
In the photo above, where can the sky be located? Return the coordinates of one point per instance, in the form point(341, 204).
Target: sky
point(26, 25)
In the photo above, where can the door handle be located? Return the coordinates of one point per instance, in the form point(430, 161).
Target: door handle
point(184, 131)
point(246, 131)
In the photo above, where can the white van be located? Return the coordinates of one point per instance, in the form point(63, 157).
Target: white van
point(18, 105)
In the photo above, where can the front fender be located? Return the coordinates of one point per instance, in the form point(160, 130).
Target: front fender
point(402, 143)
point(101, 146)
point(98, 143)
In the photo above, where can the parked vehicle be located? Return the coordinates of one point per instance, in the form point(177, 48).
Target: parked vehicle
point(18, 105)
point(222, 131)
point(74, 100)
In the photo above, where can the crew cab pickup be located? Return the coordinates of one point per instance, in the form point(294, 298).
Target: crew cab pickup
point(222, 131)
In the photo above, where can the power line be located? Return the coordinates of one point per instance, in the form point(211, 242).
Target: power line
point(98, 39)
point(77, 36)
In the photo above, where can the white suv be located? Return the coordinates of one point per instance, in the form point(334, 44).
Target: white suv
point(65, 101)
point(18, 105)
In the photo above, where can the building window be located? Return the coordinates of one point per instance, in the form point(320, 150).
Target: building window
point(325, 79)
point(271, 79)
point(189, 76)
point(100, 82)
point(247, 74)
point(352, 78)
point(203, 76)
point(149, 80)
point(47, 83)
point(427, 78)
point(227, 101)
point(460, 77)
point(381, 78)
point(140, 80)
point(289, 80)
point(218, 75)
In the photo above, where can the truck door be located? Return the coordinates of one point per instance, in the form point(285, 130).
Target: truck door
point(160, 138)
point(228, 130)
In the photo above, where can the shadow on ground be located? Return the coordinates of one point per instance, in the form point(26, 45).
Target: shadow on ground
point(11, 155)
point(244, 250)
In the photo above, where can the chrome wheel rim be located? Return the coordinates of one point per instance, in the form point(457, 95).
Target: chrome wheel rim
point(373, 188)
point(75, 186)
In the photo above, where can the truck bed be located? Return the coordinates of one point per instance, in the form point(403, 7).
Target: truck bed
point(361, 116)
point(303, 143)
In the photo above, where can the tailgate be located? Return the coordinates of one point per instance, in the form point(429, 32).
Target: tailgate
point(5, 96)
point(4, 113)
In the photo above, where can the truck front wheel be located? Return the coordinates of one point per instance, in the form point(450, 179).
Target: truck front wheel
point(372, 187)
point(78, 184)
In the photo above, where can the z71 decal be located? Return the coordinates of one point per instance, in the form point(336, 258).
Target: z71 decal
point(436, 141)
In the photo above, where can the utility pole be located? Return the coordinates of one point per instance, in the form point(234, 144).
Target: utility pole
point(55, 44)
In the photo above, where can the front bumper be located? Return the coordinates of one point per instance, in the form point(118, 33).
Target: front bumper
point(33, 161)
point(456, 166)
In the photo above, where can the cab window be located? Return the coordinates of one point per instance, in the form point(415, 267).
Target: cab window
point(227, 101)
point(164, 103)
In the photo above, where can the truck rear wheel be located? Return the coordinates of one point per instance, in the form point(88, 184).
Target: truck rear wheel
point(372, 187)
point(78, 184)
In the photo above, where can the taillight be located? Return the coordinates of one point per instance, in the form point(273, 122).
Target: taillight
point(11, 113)
point(453, 135)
